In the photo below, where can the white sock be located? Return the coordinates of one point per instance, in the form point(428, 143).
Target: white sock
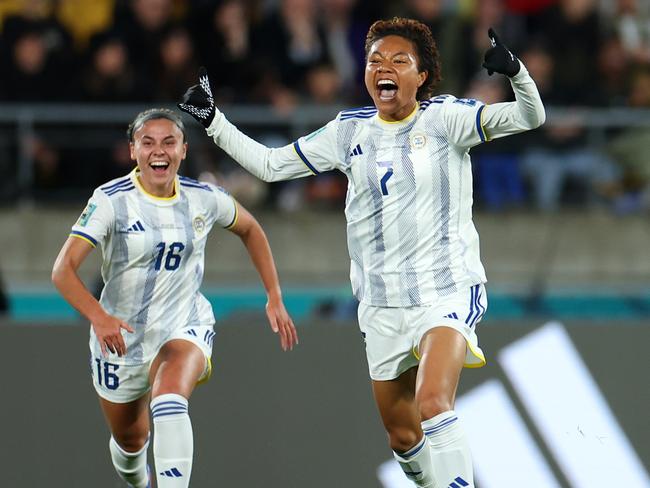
point(450, 454)
point(173, 442)
point(416, 463)
point(131, 466)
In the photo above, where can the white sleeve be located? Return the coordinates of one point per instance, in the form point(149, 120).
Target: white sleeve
point(470, 122)
point(96, 221)
point(525, 113)
point(225, 207)
point(305, 157)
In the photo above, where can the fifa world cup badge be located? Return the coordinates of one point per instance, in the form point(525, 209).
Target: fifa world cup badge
point(85, 215)
point(199, 225)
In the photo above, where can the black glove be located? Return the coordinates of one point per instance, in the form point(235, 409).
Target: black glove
point(198, 100)
point(499, 59)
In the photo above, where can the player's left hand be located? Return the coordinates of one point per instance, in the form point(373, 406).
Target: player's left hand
point(281, 323)
point(198, 100)
point(499, 59)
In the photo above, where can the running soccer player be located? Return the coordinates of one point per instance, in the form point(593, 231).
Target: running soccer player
point(415, 264)
point(152, 330)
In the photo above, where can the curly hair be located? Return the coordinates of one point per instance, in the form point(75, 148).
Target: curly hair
point(426, 49)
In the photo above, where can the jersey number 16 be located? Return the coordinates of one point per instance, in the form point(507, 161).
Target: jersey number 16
point(173, 258)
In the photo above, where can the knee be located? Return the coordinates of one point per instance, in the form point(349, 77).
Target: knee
point(431, 403)
point(131, 441)
point(401, 438)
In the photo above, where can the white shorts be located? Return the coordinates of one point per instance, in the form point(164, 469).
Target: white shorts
point(120, 383)
point(393, 335)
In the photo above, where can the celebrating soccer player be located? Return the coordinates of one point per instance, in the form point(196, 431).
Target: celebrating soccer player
point(152, 330)
point(415, 265)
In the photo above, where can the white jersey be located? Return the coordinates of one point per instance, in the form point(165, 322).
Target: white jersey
point(411, 238)
point(153, 256)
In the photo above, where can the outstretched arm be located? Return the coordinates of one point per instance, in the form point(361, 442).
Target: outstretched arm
point(253, 237)
point(265, 163)
point(64, 276)
point(527, 111)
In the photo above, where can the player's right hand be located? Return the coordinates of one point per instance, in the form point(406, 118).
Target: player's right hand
point(108, 330)
point(198, 100)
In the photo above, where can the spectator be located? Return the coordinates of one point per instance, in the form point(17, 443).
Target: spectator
point(632, 23)
point(227, 46)
point(110, 76)
point(345, 33)
point(560, 154)
point(143, 27)
point(83, 19)
point(575, 39)
point(29, 73)
point(295, 42)
point(633, 194)
point(177, 65)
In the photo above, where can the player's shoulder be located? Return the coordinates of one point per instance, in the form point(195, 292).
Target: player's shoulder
point(115, 187)
point(358, 113)
point(449, 104)
point(203, 191)
point(437, 101)
point(195, 186)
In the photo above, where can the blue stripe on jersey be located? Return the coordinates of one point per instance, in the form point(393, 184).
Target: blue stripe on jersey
point(117, 190)
point(479, 126)
point(186, 181)
point(191, 185)
point(117, 183)
point(358, 109)
point(360, 115)
point(85, 236)
point(296, 146)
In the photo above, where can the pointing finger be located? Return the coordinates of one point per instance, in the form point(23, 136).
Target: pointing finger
point(494, 39)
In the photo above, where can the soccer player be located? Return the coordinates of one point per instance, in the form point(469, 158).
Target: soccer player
point(152, 330)
point(415, 265)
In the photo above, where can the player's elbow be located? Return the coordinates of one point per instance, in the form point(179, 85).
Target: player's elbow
point(57, 275)
point(541, 117)
point(534, 119)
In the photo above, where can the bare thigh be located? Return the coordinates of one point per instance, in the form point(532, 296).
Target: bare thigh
point(176, 368)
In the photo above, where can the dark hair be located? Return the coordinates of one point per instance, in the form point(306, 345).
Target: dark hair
point(153, 114)
point(420, 35)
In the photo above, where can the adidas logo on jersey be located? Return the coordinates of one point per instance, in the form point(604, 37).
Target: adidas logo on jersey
point(172, 473)
point(356, 151)
point(137, 227)
point(458, 483)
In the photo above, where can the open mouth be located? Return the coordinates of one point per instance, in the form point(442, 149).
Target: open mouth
point(387, 90)
point(159, 166)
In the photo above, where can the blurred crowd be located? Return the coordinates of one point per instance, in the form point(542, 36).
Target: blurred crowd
point(283, 53)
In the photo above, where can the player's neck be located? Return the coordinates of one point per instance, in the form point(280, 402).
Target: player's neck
point(164, 190)
point(402, 115)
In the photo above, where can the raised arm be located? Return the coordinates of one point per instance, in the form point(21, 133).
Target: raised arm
point(268, 164)
point(257, 245)
point(67, 281)
point(527, 111)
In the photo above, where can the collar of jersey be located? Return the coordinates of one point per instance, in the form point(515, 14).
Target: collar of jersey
point(173, 198)
point(402, 121)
